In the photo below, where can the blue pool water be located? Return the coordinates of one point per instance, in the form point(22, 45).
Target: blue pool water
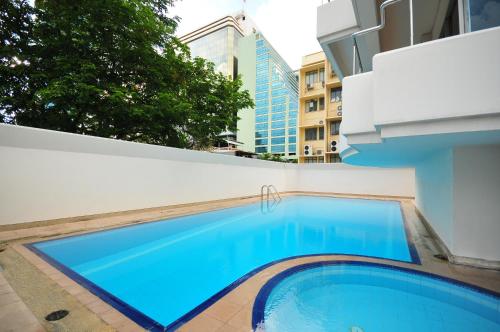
point(371, 298)
point(166, 269)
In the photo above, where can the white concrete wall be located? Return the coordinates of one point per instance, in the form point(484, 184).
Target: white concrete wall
point(458, 192)
point(434, 193)
point(343, 178)
point(357, 104)
point(447, 78)
point(477, 202)
point(47, 175)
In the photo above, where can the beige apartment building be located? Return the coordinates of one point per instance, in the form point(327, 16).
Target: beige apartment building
point(320, 111)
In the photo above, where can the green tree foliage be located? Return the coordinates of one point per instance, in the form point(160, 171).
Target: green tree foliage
point(110, 68)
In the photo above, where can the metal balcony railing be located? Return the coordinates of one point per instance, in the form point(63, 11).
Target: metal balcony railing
point(383, 6)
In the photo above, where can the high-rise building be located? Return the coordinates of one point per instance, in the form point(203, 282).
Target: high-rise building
point(236, 47)
point(272, 126)
point(320, 110)
point(217, 42)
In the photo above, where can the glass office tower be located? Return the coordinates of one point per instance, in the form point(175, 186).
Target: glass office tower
point(276, 102)
point(219, 47)
point(217, 42)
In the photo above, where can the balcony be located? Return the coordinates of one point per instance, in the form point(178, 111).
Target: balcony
point(418, 99)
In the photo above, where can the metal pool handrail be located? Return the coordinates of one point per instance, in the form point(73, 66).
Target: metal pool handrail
point(270, 190)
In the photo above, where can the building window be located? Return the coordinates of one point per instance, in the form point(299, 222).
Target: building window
point(278, 140)
point(321, 104)
point(479, 14)
point(334, 128)
point(278, 149)
point(311, 77)
point(322, 75)
point(261, 134)
point(311, 134)
point(261, 149)
point(321, 132)
point(311, 105)
point(261, 141)
point(334, 158)
point(335, 95)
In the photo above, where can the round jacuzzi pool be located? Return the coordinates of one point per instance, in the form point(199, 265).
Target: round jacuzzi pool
point(357, 297)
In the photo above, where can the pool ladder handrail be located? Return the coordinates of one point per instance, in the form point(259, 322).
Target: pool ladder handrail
point(270, 190)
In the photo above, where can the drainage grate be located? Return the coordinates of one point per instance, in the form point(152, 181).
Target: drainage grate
point(56, 315)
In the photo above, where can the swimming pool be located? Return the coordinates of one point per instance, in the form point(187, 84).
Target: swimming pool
point(361, 296)
point(161, 274)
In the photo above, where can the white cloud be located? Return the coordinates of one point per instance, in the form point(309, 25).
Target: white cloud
point(289, 25)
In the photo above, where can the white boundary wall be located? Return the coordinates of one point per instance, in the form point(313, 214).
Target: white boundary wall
point(48, 174)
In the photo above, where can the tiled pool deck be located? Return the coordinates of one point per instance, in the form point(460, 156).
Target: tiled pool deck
point(41, 293)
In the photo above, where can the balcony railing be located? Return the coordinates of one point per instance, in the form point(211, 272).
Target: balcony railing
point(383, 6)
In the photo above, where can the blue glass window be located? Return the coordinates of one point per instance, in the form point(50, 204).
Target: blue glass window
point(262, 95)
point(279, 100)
point(278, 124)
point(261, 126)
point(278, 140)
point(278, 92)
point(262, 111)
point(481, 14)
point(262, 103)
point(292, 114)
point(262, 118)
point(277, 148)
point(292, 123)
point(292, 148)
point(292, 139)
point(262, 78)
point(278, 84)
point(262, 57)
point(259, 134)
point(278, 108)
point(278, 132)
point(262, 65)
point(278, 116)
point(262, 141)
point(262, 88)
point(292, 131)
point(261, 50)
point(261, 149)
point(259, 43)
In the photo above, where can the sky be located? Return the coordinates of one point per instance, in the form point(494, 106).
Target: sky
point(289, 25)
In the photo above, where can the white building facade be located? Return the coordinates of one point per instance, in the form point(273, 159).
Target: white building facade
point(423, 91)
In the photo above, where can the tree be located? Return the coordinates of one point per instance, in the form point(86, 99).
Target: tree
point(115, 69)
point(15, 33)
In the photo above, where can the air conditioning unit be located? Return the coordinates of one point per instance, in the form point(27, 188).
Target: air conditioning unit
point(321, 122)
point(323, 84)
point(319, 152)
point(339, 113)
point(309, 86)
point(333, 146)
point(339, 110)
point(307, 150)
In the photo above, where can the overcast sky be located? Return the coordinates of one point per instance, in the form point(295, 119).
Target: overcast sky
point(289, 25)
